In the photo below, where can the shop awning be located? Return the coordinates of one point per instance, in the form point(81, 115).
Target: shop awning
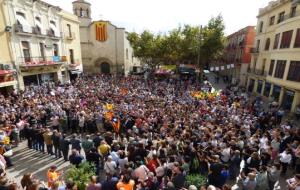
point(5, 72)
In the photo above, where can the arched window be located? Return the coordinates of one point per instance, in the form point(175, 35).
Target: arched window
point(81, 12)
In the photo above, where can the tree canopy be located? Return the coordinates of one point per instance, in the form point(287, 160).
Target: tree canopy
point(182, 44)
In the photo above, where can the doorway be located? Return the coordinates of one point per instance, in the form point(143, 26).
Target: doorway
point(288, 99)
point(105, 68)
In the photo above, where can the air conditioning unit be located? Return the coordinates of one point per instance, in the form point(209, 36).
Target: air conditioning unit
point(6, 67)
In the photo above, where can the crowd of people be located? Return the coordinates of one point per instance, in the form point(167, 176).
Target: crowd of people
point(151, 135)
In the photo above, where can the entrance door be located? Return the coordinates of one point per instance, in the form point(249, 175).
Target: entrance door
point(288, 99)
point(251, 85)
point(105, 68)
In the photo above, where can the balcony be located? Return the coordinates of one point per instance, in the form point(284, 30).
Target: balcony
point(19, 29)
point(254, 50)
point(71, 36)
point(288, 16)
point(41, 61)
point(51, 34)
point(38, 32)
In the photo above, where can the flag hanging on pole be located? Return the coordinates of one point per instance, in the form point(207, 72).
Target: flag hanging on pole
point(101, 31)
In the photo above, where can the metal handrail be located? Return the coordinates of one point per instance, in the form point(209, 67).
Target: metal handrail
point(47, 60)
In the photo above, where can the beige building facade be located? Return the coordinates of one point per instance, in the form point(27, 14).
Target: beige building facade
point(40, 45)
point(104, 46)
point(7, 71)
point(274, 72)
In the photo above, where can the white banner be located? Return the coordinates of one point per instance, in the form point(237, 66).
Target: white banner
point(212, 68)
point(232, 65)
point(217, 68)
point(228, 66)
point(222, 68)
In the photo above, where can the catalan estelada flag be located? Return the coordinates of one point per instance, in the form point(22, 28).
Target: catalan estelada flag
point(101, 31)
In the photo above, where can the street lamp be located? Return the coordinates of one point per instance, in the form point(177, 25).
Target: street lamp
point(199, 50)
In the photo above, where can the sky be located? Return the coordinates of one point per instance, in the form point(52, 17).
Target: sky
point(164, 15)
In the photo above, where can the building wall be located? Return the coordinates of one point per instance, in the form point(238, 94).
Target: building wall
point(73, 41)
point(46, 12)
point(5, 55)
point(237, 52)
point(261, 60)
point(94, 53)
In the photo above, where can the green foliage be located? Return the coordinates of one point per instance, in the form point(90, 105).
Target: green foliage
point(195, 179)
point(81, 175)
point(185, 43)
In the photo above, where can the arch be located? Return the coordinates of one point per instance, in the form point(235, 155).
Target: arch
point(103, 65)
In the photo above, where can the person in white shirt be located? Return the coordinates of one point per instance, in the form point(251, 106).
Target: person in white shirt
point(110, 166)
point(285, 160)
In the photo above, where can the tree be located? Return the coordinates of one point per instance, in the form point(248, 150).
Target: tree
point(213, 40)
point(180, 44)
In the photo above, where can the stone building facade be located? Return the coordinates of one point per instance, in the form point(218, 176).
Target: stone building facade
point(104, 46)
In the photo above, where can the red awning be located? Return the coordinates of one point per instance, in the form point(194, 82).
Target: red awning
point(5, 72)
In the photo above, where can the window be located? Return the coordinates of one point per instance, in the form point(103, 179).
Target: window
point(271, 67)
point(286, 39)
point(72, 56)
point(294, 71)
point(293, 11)
point(267, 46)
point(280, 67)
point(261, 25)
point(297, 40)
point(276, 41)
point(55, 50)
point(26, 51)
point(281, 17)
point(259, 86)
point(257, 45)
point(267, 89)
point(81, 12)
point(52, 22)
point(20, 14)
point(42, 51)
point(127, 54)
point(69, 30)
point(272, 20)
point(38, 19)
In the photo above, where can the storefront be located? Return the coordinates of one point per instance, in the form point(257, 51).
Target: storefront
point(276, 93)
point(40, 74)
point(259, 86)
point(251, 85)
point(288, 99)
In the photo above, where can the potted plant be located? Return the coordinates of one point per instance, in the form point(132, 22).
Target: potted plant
point(80, 175)
point(195, 179)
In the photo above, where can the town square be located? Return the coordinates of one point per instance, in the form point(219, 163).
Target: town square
point(149, 95)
